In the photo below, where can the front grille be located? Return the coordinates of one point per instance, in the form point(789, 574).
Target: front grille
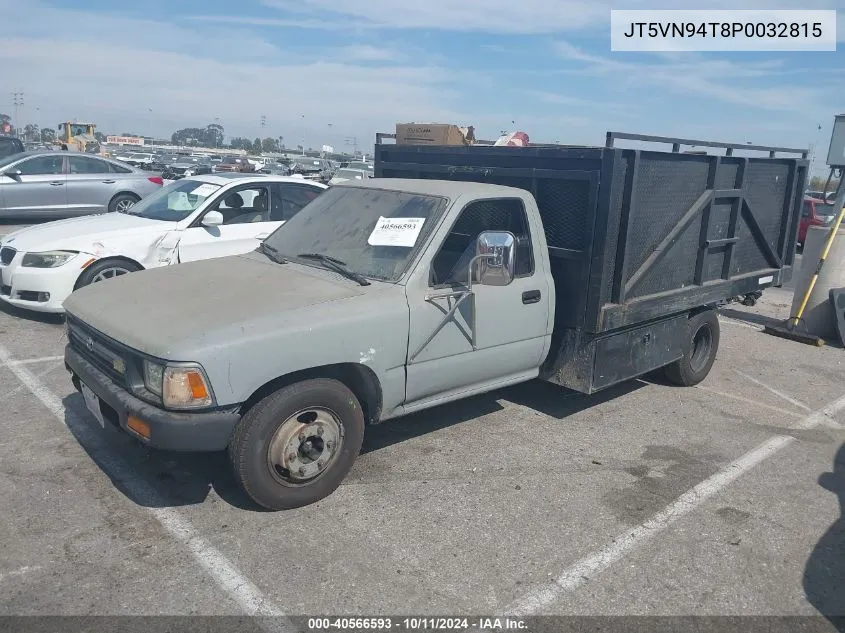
point(7, 254)
point(100, 351)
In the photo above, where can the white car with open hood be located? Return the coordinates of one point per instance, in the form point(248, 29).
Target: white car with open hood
point(200, 217)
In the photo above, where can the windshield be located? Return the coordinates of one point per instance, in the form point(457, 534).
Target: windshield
point(8, 147)
point(825, 209)
point(175, 201)
point(375, 233)
point(308, 163)
point(139, 156)
point(350, 174)
point(8, 160)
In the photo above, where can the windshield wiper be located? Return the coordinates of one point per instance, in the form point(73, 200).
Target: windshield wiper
point(338, 266)
point(272, 253)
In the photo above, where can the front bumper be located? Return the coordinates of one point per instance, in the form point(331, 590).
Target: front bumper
point(168, 430)
point(28, 288)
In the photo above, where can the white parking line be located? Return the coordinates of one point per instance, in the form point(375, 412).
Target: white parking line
point(217, 565)
point(761, 405)
point(582, 571)
point(35, 361)
point(771, 389)
point(22, 387)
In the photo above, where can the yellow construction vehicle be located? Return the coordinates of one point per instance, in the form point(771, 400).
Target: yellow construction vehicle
point(78, 136)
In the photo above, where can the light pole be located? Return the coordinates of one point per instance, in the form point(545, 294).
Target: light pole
point(353, 142)
point(303, 134)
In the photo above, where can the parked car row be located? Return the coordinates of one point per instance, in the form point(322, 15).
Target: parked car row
point(61, 184)
point(175, 166)
point(196, 217)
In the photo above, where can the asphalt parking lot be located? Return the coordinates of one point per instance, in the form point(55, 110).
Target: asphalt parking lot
point(647, 499)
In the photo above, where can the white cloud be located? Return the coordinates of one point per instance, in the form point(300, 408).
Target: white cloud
point(501, 16)
point(719, 79)
point(147, 77)
point(193, 91)
point(491, 16)
point(367, 53)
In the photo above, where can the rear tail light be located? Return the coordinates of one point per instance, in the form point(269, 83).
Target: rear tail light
point(156, 179)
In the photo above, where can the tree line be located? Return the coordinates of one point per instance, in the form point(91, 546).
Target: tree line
point(209, 136)
point(212, 136)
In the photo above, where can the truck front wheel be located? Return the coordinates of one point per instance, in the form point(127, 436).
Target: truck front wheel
point(296, 445)
point(701, 342)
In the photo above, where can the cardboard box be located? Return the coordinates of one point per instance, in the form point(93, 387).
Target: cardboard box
point(433, 134)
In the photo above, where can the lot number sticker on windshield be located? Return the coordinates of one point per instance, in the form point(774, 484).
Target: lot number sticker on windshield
point(396, 232)
point(205, 190)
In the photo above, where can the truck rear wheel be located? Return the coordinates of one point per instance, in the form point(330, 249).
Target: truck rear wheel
point(700, 346)
point(296, 445)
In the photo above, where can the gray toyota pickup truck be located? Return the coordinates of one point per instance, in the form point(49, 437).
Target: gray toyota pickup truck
point(455, 271)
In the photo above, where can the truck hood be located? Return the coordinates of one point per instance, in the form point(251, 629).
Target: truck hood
point(80, 234)
point(175, 310)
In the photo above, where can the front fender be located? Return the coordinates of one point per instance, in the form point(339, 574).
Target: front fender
point(370, 330)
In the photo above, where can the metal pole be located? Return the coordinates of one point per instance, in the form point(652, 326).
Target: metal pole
point(17, 101)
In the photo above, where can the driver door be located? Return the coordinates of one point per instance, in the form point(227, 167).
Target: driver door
point(246, 221)
point(511, 322)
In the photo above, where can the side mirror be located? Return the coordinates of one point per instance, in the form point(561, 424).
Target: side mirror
point(212, 218)
point(14, 174)
point(496, 253)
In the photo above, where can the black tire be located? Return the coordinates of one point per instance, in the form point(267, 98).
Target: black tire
point(250, 449)
point(106, 269)
point(701, 344)
point(122, 202)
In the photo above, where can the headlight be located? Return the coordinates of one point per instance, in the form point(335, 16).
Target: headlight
point(47, 259)
point(185, 387)
point(153, 377)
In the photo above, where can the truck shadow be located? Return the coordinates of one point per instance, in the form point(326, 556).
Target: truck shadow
point(539, 395)
point(152, 478)
point(824, 573)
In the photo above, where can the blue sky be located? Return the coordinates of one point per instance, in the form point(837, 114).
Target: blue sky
point(326, 70)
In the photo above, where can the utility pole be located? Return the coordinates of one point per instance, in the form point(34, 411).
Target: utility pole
point(17, 102)
point(263, 121)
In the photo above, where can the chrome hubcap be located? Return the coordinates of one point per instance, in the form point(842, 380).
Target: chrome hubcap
point(109, 273)
point(304, 446)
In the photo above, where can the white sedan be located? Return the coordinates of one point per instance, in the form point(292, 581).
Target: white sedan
point(190, 219)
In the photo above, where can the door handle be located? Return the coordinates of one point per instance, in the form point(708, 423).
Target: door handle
point(56, 184)
point(531, 296)
point(108, 182)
